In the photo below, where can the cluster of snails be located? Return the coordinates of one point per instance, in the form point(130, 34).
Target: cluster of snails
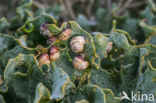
point(64, 35)
point(54, 55)
point(77, 44)
point(54, 51)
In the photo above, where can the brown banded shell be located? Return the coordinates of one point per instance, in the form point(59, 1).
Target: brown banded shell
point(54, 53)
point(80, 63)
point(65, 34)
point(44, 59)
point(77, 44)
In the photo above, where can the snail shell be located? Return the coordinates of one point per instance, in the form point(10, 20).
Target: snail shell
point(80, 63)
point(44, 59)
point(109, 47)
point(54, 53)
point(77, 44)
point(51, 40)
point(44, 30)
point(65, 34)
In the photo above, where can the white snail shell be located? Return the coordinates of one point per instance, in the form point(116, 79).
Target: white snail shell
point(77, 44)
point(80, 63)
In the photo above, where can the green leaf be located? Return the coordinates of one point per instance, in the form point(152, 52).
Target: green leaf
point(146, 78)
point(129, 24)
point(100, 42)
point(104, 20)
point(42, 94)
point(110, 98)
point(11, 47)
point(61, 82)
point(23, 13)
point(94, 93)
point(119, 40)
point(3, 86)
point(32, 29)
point(54, 30)
point(3, 24)
point(148, 13)
point(129, 74)
point(105, 79)
point(134, 51)
point(6, 42)
point(64, 62)
point(149, 32)
point(85, 22)
point(25, 69)
point(55, 10)
point(2, 99)
point(147, 29)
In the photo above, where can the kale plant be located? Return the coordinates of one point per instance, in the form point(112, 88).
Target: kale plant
point(45, 60)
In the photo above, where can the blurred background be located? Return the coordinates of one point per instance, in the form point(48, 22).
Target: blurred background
point(92, 15)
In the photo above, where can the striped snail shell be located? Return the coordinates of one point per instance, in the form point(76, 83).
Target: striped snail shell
point(54, 53)
point(44, 59)
point(80, 63)
point(65, 34)
point(77, 44)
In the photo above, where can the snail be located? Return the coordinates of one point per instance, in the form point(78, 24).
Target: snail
point(65, 34)
point(51, 39)
point(80, 63)
point(109, 47)
point(77, 44)
point(44, 59)
point(44, 30)
point(54, 53)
